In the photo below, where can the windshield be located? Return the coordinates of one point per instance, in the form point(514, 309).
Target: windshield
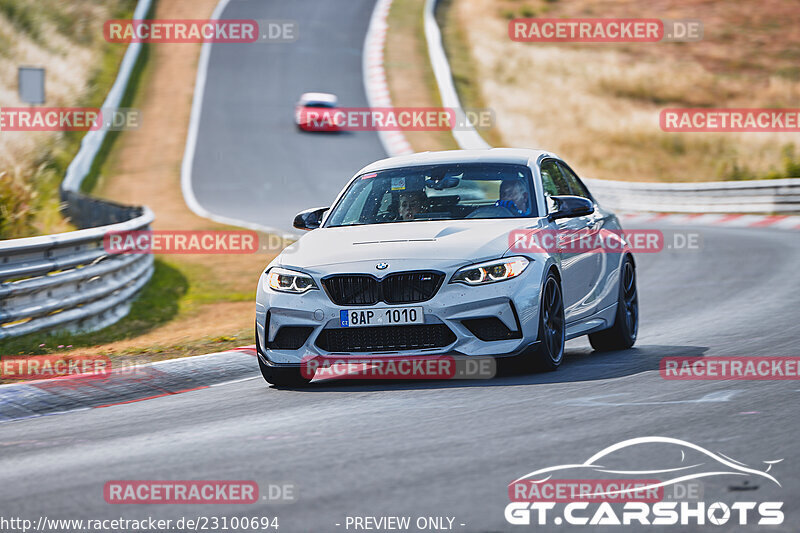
point(436, 192)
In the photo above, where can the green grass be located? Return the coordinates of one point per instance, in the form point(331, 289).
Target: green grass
point(732, 169)
point(29, 200)
point(791, 165)
point(205, 288)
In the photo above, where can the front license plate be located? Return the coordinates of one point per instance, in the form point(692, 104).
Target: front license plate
point(392, 316)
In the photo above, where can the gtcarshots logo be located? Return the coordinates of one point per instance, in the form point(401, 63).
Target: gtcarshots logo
point(650, 474)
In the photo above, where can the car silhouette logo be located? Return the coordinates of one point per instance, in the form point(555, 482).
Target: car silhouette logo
point(382, 266)
point(706, 463)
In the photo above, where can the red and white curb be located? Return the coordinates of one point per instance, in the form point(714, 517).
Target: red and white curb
point(394, 142)
point(786, 222)
point(29, 399)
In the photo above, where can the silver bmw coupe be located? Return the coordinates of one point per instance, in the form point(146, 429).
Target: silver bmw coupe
point(461, 252)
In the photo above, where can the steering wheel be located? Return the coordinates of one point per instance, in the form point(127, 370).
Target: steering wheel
point(386, 217)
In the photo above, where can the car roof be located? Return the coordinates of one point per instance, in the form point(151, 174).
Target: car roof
point(521, 156)
point(318, 97)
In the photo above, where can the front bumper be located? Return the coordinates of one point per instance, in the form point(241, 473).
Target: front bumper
point(308, 126)
point(514, 302)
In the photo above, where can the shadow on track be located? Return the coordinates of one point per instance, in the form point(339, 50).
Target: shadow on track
point(578, 365)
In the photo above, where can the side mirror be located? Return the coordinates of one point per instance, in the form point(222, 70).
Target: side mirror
point(570, 207)
point(310, 218)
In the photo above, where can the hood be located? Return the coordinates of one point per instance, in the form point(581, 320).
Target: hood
point(449, 240)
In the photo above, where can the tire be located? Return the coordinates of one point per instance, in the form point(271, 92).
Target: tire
point(282, 376)
point(622, 335)
point(549, 353)
point(552, 326)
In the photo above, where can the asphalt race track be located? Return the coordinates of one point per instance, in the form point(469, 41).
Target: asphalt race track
point(251, 162)
point(444, 448)
point(451, 448)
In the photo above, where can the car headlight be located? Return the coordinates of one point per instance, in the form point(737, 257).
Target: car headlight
point(283, 280)
point(491, 271)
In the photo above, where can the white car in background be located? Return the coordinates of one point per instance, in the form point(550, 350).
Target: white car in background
point(414, 258)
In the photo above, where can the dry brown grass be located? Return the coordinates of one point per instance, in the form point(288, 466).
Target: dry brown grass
point(598, 104)
point(66, 39)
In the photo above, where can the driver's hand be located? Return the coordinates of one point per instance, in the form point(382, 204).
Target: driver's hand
point(510, 205)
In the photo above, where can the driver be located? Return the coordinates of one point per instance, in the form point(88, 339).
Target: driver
point(411, 204)
point(514, 197)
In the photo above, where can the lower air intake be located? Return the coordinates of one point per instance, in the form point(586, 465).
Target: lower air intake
point(385, 338)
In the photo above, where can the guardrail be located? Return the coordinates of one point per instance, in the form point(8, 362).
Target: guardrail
point(779, 196)
point(68, 280)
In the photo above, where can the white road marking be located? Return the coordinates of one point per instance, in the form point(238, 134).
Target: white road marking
point(191, 143)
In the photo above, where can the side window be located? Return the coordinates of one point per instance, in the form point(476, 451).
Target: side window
point(386, 203)
point(553, 180)
point(577, 188)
